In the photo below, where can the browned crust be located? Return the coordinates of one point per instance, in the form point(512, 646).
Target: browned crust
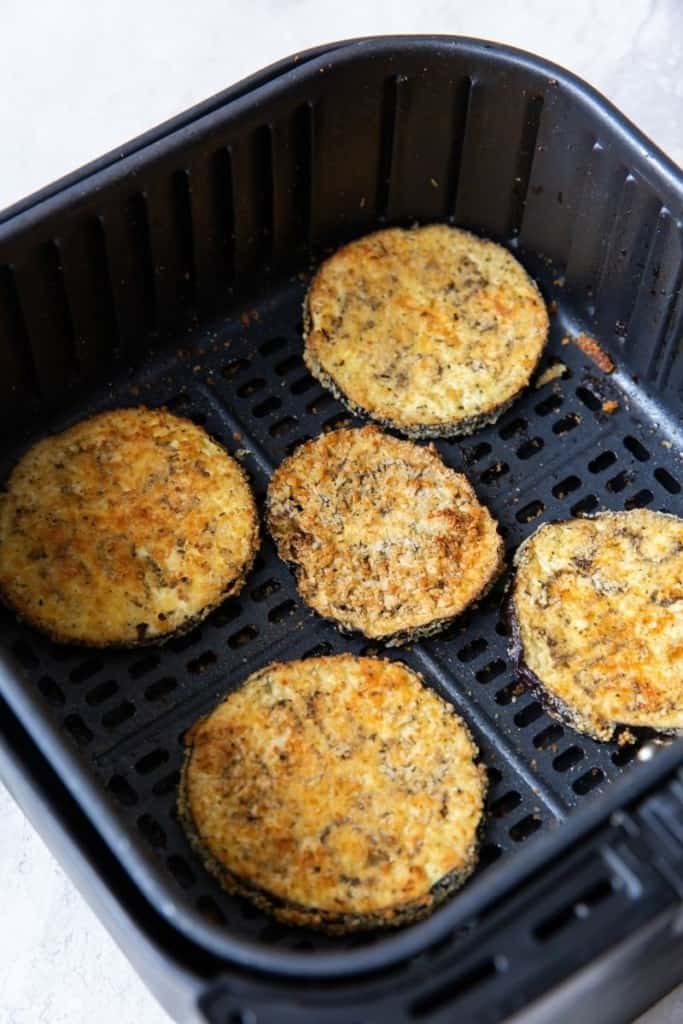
point(308, 917)
point(231, 589)
point(447, 428)
point(398, 637)
point(621, 732)
point(549, 701)
point(556, 708)
point(294, 913)
point(452, 428)
point(403, 637)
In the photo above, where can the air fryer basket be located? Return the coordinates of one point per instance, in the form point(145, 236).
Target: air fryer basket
point(175, 276)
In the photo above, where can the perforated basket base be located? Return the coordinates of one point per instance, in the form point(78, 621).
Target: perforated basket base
point(555, 454)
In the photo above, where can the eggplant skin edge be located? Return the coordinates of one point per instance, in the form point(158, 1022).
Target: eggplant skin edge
point(623, 733)
point(311, 694)
point(309, 917)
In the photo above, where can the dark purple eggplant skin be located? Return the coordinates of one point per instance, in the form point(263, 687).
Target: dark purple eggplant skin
point(622, 734)
point(557, 708)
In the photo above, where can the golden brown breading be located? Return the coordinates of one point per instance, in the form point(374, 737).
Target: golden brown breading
point(597, 609)
point(339, 793)
point(432, 330)
point(128, 527)
point(385, 538)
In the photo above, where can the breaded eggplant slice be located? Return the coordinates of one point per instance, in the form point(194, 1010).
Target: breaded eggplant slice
point(597, 620)
point(340, 793)
point(384, 537)
point(430, 330)
point(124, 529)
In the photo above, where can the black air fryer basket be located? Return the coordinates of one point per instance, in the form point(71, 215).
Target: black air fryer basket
point(172, 273)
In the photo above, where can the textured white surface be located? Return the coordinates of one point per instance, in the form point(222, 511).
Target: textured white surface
point(57, 963)
point(81, 78)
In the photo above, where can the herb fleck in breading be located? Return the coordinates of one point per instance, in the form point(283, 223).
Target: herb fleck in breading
point(597, 610)
point(432, 331)
point(338, 793)
point(126, 528)
point(385, 538)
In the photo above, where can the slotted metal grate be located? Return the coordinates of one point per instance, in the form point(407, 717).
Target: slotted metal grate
point(555, 454)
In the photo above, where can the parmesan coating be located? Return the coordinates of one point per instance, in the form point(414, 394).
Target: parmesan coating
point(124, 529)
point(384, 537)
point(339, 793)
point(431, 330)
point(597, 609)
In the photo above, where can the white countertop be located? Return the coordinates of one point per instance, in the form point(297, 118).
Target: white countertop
point(81, 78)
